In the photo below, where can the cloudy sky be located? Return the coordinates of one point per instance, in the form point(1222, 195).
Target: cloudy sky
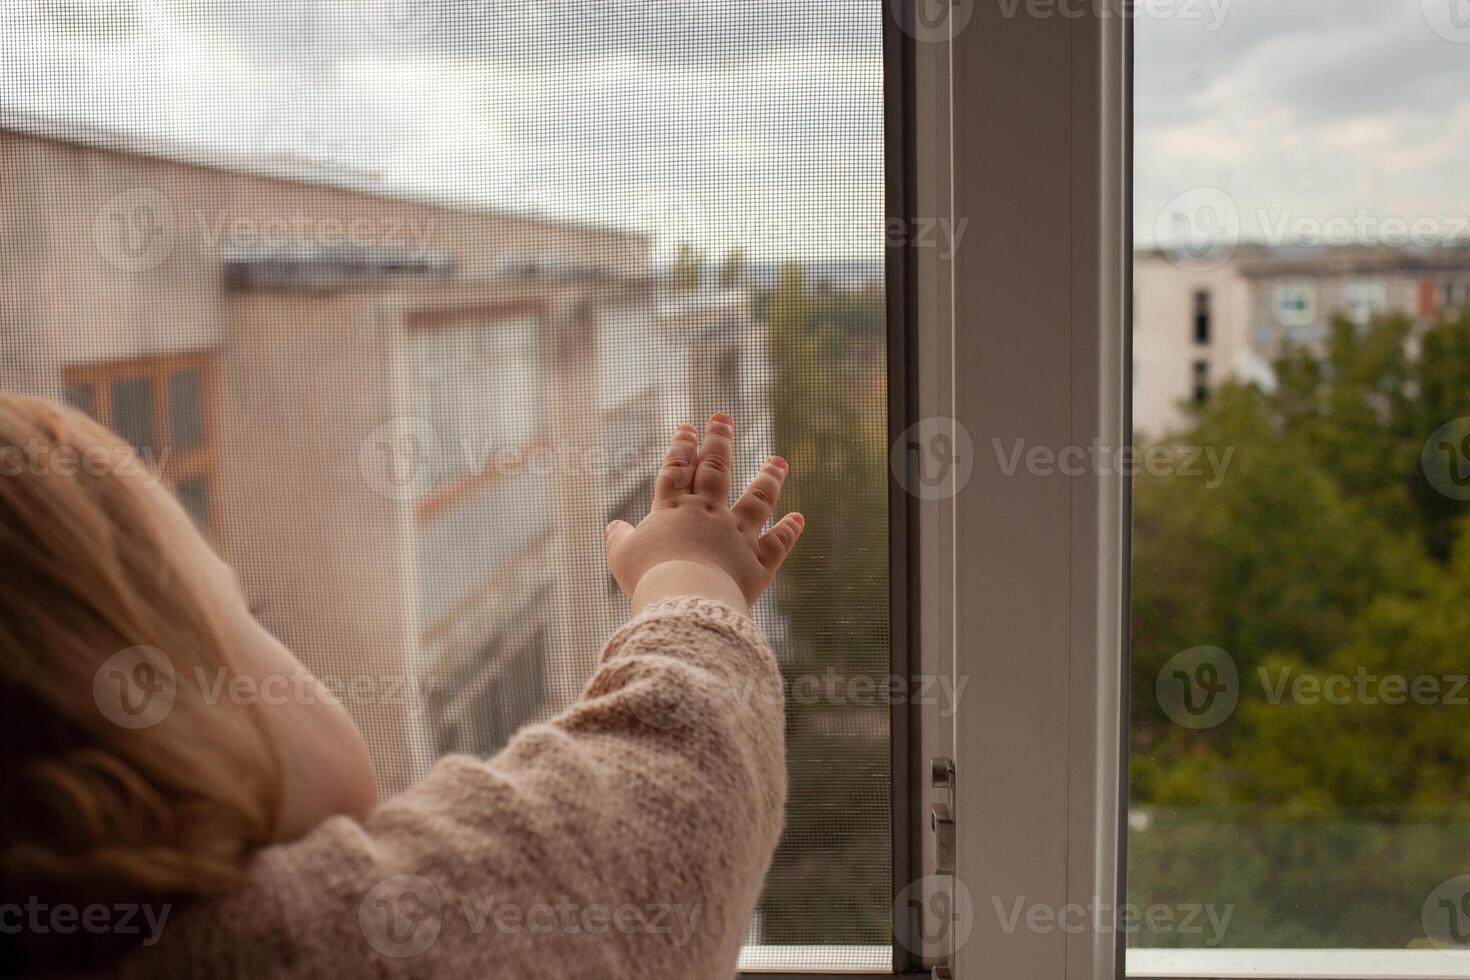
point(747, 121)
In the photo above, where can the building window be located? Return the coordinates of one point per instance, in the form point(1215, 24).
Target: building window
point(1202, 316)
point(1201, 382)
point(1296, 304)
point(1366, 299)
point(161, 406)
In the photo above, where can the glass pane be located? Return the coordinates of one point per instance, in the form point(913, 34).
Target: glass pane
point(501, 252)
point(132, 412)
point(186, 419)
point(1301, 543)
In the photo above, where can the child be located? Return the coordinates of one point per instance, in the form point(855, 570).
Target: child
point(151, 829)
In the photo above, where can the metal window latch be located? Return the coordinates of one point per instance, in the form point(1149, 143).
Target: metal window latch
point(941, 825)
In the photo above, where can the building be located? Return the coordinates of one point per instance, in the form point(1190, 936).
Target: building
point(1194, 327)
point(404, 423)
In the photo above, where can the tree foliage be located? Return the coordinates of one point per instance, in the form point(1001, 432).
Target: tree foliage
point(1336, 576)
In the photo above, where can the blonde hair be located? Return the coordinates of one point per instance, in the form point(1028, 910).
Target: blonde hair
point(97, 810)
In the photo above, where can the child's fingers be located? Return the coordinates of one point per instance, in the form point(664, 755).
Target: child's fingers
point(677, 474)
point(777, 543)
point(615, 533)
point(754, 507)
point(712, 473)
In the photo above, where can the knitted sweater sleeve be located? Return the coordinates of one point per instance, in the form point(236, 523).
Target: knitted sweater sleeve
point(628, 837)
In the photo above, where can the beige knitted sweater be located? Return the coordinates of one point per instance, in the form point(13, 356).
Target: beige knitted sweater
point(626, 838)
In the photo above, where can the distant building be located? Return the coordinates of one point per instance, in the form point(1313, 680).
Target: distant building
point(405, 424)
point(1193, 330)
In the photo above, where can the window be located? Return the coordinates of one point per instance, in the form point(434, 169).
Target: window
point(161, 407)
point(1296, 800)
point(1202, 316)
point(1295, 305)
point(1201, 382)
point(1366, 299)
point(449, 275)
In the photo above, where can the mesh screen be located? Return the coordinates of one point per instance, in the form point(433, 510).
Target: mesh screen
point(403, 299)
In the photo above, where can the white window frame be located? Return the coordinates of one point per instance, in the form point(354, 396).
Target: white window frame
point(1023, 571)
point(1024, 128)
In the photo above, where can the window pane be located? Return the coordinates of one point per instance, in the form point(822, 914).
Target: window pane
point(462, 269)
point(1301, 542)
point(132, 412)
point(186, 419)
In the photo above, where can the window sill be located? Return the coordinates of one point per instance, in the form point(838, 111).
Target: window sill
point(1299, 964)
point(818, 960)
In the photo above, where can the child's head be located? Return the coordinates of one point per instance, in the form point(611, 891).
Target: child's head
point(131, 769)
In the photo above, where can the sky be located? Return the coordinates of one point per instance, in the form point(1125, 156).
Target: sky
point(753, 122)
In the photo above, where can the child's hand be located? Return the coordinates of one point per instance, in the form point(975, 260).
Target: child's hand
point(693, 542)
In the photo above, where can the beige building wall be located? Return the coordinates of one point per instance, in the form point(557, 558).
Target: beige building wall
point(324, 557)
point(1164, 347)
point(112, 253)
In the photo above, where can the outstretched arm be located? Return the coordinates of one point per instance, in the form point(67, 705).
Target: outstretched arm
point(628, 837)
